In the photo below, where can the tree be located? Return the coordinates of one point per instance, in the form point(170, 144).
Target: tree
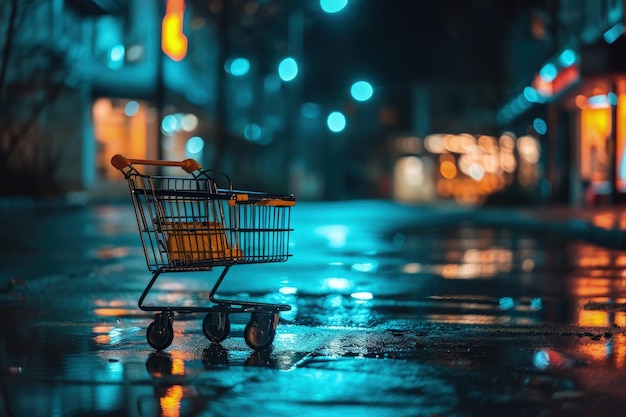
point(32, 77)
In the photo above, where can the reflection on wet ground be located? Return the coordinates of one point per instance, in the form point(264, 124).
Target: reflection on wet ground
point(450, 321)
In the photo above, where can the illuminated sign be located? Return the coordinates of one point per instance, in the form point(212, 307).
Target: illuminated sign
point(563, 79)
point(173, 40)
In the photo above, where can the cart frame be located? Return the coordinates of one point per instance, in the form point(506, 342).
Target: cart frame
point(191, 224)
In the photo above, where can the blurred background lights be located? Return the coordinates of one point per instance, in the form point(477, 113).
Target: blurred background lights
point(413, 170)
point(613, 33)
point(600, 101)
point(131, 108)
point(189, 122)
point(336, 121)
point(530, 94)
point(116, 56)
point(252, 132)
point(333, 6)
point(134, 53)
point(540, 126)
point(361, 91)
point(239, 67)
point(195, 145)
point(288, 69)
point(476, 171)
point(310, 110)
point(528, 148)
point(271, 83)
point(548, 73)
point(169, 124)
point(567, 58)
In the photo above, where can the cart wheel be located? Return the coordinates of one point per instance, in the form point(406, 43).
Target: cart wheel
point(160, 339)
point(216, 326)
point(260, 331)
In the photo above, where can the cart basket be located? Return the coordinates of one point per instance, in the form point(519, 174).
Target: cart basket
point(190, 223)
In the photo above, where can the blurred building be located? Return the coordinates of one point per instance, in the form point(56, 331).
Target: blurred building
point(83, 80)
point(570, 93)
point(250, 88)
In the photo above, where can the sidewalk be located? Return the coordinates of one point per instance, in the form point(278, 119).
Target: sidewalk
point(604, 226)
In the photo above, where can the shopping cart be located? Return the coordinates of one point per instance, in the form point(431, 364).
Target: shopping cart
point(190, 223)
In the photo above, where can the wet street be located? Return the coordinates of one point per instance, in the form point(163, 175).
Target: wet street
point(395, 311)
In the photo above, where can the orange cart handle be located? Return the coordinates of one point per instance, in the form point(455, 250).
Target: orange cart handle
point(120, 162)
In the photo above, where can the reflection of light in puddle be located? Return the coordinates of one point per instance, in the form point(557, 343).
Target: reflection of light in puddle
point(334, 301)
point(545, 358)
point(108, 303)
point(116, 370)
point(288, 290)
point(536, 304)
point(112, 312)
point(111, 253)
point(362, 295)
point(480, 319)
point(335, 283)
point(106, 335)
point(506, 303)
point(170, 402)
point(412, 268)
point(335, 234)
point(365, 266)
point(474, 263)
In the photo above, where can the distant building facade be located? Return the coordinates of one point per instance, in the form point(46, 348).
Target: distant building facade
point(574, 98)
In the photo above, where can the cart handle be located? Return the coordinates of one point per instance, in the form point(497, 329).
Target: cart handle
point(120, 162)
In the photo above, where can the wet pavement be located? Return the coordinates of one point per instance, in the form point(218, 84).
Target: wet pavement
point(396, 310)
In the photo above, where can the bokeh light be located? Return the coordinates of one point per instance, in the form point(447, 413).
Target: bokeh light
point(336, 122)
point(195, 145)
point(131, 108)
point(288, 69)
point(333, 6)
point(361, 91)
point(239, 67)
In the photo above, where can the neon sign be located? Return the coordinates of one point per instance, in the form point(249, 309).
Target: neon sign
point(173, 40)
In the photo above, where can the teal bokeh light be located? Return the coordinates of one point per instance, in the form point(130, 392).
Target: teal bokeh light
point(239, 67)
point(195, 145)
point(361, 91)
point(336, 122)
point(288, 69)
point(540, 126)
point(548, 73)
point(333, 6)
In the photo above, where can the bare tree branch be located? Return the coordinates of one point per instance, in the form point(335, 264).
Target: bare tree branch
point(6, 54)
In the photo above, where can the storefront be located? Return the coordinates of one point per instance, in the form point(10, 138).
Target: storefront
point(583, 91)
point(591, 114)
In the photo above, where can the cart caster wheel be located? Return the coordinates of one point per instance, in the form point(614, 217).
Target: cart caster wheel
point(260, 331)
point(160, 339)
point(216, 326)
